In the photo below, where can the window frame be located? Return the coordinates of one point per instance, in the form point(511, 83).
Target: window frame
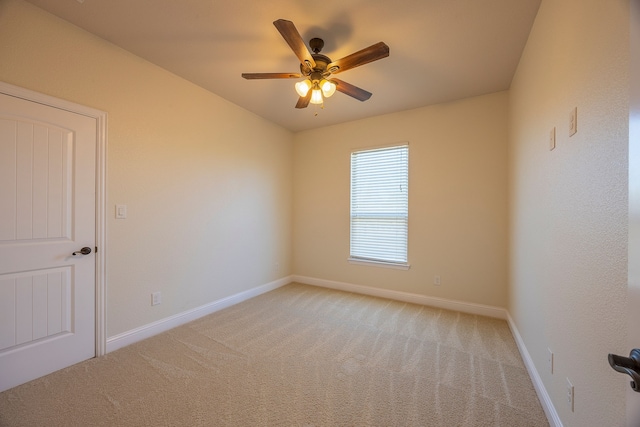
point(375, 261)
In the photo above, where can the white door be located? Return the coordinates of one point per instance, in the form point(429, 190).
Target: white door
point(47, 212)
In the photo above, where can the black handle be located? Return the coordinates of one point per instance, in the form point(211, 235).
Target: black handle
point(84, 251)
point(628, 365)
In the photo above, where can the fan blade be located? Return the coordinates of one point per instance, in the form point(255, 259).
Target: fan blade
point(293, 38)
point(361, 57)
point(351, 90)
point(252, 76)
point(303, 101)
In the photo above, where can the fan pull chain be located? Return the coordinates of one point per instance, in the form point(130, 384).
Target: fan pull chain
point(315, 114)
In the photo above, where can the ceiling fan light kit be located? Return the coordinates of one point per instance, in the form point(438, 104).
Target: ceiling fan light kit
point(303, 87)
point(319, 89)
point(328, 88)
point(317, 68)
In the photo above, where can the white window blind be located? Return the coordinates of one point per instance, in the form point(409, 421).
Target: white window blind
point(380, 204)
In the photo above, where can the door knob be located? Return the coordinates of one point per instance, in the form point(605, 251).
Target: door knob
point(628, 365)
point(84, 251)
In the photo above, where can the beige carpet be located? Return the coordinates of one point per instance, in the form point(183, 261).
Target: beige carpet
point(297, 356)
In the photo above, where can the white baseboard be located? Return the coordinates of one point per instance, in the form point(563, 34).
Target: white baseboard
point(124, 339)
point(543, 395)
point(464, 307)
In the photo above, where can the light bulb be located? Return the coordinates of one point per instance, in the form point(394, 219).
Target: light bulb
point(303, 87)
point(328, 88)
point(316, 96)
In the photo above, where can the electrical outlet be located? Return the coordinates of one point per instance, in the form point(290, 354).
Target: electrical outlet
point(436, 280)
point(552, 139)
point(570, 395)
point(156, 298)
point(550, 361)
point(573, 121)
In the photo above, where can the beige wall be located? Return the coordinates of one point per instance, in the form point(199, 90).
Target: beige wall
point(207, 184)
point(217, 196)
point(568, 207)
point(457, 200)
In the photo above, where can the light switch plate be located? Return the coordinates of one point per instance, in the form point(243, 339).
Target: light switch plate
point(121, 211)
point(552, 139)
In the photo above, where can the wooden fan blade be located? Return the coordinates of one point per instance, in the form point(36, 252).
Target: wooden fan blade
point(303, 101)
point(351, 90)
point(295, 42)
point(252, 76)
point(361, 57)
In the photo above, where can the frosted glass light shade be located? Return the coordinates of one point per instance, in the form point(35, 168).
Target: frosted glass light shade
point(328, 88)
point(303, 87)
point(316, 96)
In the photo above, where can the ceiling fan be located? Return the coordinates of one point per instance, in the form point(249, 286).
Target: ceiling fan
point(317, 68)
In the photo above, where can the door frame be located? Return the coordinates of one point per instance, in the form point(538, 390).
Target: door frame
point(101, 195)
point(633, 290)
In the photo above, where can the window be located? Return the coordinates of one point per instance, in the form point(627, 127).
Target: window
point(380, 205)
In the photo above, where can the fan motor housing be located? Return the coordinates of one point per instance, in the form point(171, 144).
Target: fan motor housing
point(321, 64)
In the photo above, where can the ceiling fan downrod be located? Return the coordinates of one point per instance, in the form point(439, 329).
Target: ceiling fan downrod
point(316, 44)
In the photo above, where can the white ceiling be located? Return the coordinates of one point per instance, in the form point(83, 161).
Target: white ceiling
point(440, 50)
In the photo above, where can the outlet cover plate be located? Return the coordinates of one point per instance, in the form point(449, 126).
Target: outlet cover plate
point(156, 298)
point(573, 121)
point(570, 395)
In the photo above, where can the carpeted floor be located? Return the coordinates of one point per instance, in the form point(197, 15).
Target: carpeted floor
point(297, 356)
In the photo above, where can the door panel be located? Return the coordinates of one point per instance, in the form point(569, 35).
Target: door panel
point(47, 211)
point(34, 305)
point(36, 180)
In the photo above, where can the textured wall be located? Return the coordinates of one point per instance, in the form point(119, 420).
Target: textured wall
point(207, 184)
point(568, 207)
point(209, 189)
point(457, 200)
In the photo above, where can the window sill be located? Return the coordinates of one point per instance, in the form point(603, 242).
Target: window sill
point(393, 265)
